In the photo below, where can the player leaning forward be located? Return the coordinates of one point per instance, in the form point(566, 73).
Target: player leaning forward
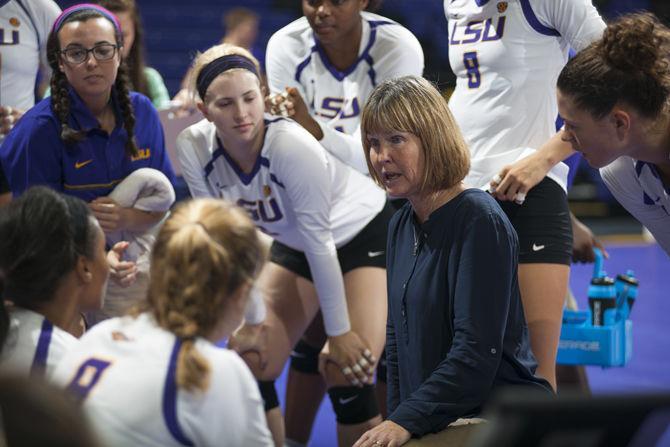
point(328, 222)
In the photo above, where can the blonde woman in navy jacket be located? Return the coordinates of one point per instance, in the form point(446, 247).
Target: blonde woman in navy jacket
point(456, 331)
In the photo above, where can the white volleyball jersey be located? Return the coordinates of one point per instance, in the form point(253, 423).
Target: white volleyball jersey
point(507, 56)
point(24, 28)
point(124, 370)
point(34, 345)
point(336, 98)
point(639, 188)
point(297, 193)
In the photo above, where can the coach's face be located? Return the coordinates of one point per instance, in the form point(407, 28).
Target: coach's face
point(333, 21)
point(399, 163)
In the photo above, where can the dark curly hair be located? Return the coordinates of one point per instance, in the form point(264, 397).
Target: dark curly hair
point(60, 99)
point(629, 65)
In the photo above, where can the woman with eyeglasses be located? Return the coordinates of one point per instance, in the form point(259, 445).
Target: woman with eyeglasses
point(92, 132)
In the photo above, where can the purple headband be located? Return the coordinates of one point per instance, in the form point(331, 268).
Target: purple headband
point(218, 66)
point(83, 7)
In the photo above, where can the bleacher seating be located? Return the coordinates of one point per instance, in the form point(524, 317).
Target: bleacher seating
point(175, 31)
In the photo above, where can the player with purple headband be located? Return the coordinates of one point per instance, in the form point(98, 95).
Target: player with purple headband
point(328, 222)
point(92, 132)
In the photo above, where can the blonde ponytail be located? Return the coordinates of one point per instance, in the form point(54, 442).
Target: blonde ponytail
point(204, 253)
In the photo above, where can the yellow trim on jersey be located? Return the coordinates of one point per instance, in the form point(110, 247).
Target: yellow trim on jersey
point(92, 185)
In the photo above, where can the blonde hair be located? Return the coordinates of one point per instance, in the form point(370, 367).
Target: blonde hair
point(204, 253)
point(215, 52)
point(412, 104)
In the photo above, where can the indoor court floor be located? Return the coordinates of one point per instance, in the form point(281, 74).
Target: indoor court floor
point(649, 368)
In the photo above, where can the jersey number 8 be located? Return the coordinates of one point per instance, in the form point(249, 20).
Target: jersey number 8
point(87, 376)
point(472, 66)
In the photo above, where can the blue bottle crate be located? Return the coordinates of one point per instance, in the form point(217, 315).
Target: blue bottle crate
point(608, 344)
point(584, 344)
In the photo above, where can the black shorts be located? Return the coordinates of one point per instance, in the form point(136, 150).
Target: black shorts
point(366, 249)
point(543, 224)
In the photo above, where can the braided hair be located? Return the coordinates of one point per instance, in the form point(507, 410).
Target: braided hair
point(60, 98)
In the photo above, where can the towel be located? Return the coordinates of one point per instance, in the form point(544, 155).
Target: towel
point(148, 190)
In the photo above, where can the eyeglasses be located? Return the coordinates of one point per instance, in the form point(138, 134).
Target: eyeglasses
point(79, 55)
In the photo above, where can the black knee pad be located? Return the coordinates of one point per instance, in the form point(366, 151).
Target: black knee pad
point(305, 358)
point(269, 394)
point(353, 405)
point(381, 368)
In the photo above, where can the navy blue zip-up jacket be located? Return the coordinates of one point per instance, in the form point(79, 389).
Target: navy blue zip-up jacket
point(456, 330)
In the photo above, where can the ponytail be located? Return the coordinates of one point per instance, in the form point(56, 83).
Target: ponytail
point(192, 367)
point(205, 252)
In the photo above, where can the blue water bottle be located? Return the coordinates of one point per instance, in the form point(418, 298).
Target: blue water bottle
point(602, 296)
point(626, 286)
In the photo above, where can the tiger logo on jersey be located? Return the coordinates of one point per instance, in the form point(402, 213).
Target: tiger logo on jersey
point(502, 7)
point(15, 39)
point(119, 336)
